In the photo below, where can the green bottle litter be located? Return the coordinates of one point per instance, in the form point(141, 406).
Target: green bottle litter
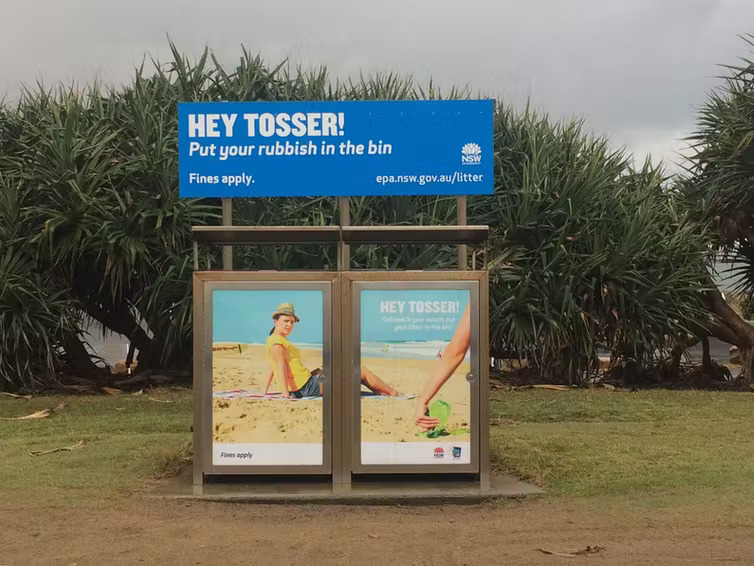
point(439, 410)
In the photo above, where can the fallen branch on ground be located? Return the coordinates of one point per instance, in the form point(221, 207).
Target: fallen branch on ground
point(41, 414)
point(588, 551)
point(551, 387)
point(27, 397)
point(79, 444)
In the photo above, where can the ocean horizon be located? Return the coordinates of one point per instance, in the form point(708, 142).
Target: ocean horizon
point(408, 349)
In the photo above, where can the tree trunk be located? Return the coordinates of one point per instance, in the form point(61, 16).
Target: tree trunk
point(732, 329)
point(130, 356)
point(123, 323)
point(78, 358)
point(675, 362)
point(747, 365)
point(707, 366)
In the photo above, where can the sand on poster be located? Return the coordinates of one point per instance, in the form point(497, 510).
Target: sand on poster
point(252, 423)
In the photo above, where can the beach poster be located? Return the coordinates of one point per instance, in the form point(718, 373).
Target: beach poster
point(267, 377)
point(415, 356)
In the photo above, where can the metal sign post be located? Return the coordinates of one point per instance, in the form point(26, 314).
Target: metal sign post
point(344, 251)
point(227, 221)
point(463, 254)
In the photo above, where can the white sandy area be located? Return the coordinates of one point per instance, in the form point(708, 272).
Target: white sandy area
point(255, 420)
point(281, 421)
point(393, 420)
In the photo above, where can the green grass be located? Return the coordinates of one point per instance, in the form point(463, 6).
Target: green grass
point(127, 439)
point(601, 443)
point(650, 447)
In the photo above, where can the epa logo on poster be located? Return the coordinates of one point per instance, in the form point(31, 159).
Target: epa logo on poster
point(471, 154)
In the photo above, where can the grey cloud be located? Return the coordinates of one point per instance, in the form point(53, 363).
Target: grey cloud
point(634, 69)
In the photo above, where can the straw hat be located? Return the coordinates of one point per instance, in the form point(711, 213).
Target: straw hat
point(286, 308)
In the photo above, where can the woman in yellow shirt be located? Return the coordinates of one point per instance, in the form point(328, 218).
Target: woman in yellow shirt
point(290, 371)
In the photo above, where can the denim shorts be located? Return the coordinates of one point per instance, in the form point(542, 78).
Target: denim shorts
point(310, 388)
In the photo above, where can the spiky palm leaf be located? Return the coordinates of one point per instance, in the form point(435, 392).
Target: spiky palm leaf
point(720, 186)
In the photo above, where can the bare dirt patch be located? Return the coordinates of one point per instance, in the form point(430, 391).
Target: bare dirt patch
point(134, 531)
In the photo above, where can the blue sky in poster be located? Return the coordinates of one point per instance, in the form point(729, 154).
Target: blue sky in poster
point(411, 316)
point(246, 315)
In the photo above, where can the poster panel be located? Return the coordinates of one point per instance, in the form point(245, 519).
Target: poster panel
point(268, 377)
point(415, 357)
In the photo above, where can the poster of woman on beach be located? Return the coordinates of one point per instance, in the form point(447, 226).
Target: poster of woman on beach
point(418, 341)
point(267, 377)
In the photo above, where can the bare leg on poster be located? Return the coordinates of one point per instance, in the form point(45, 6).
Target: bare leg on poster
point(375, 384)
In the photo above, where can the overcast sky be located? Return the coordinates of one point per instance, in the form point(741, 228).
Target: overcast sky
point(636, 70)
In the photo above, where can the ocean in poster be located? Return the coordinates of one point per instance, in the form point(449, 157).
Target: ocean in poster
point(413, 350)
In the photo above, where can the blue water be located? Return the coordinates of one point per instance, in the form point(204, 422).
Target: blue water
point(410, 350)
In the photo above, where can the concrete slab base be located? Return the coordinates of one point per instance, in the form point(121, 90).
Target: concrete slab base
point(372, 491)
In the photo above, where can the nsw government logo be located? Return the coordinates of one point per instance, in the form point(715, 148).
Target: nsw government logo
point(471, 154)
point(439, 452)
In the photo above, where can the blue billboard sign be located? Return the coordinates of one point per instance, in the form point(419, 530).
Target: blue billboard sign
point(349, 148)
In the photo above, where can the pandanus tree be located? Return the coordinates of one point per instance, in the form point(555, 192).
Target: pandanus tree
point(587, 252)
point(92, 223)
point(719, 190)
point(93, 176)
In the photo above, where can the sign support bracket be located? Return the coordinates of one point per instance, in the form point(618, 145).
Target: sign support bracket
point(344, 250)
point(227, 221)
point(463, 262)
